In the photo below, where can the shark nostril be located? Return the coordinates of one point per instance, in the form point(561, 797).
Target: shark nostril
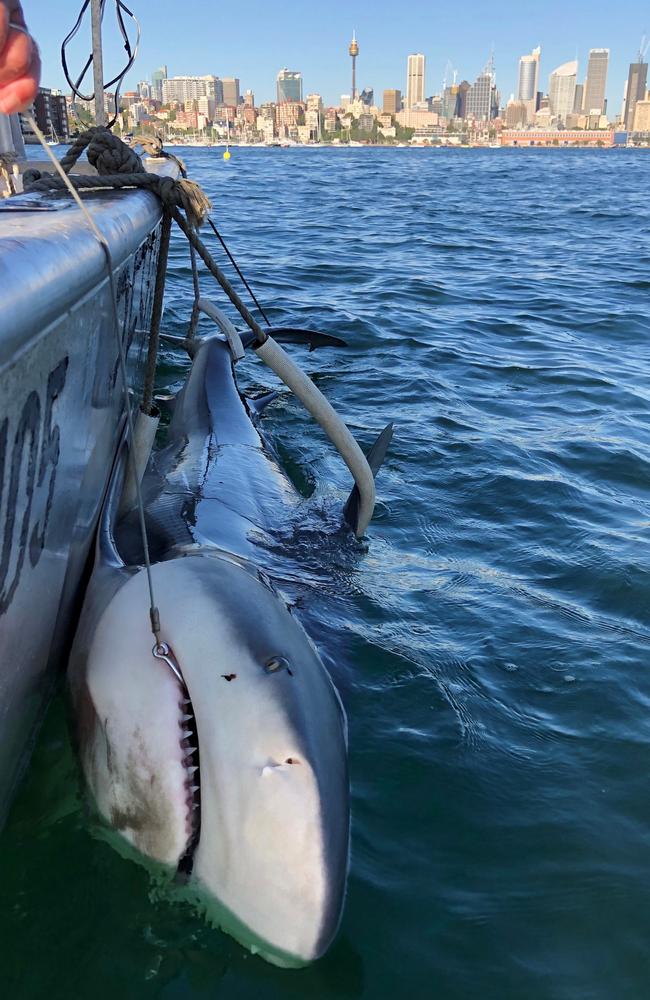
point(292, 760)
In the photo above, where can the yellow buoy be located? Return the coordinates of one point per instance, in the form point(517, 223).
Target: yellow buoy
point(226, 155)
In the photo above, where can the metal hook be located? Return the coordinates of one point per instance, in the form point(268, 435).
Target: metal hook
point(161, 651)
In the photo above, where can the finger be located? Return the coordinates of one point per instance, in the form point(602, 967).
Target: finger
point(10, 12)
point(17, 56)
point(18, 95)
point(4, 24)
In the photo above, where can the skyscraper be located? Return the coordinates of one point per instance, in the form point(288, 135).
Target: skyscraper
point(562, 89)
point(392, 102)
point(157, 78)
point(450, 102)
point(637, 83)
point(528, 84)
point(414, 80)
point(579, 98)
point(230, 86)
point(482, 97)
point(288, 86)
point(354, 52)
point(596, 82)
point(464, 88)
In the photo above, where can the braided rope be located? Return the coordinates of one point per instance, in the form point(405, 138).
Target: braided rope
point(173, 193)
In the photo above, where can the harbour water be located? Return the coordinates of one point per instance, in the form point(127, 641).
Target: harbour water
point(491, 640)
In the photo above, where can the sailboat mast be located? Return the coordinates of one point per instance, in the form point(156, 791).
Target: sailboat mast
point(98, 64)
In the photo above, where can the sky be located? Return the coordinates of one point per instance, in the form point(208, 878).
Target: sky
point(254, 40)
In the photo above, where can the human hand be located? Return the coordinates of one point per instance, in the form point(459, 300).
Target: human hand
point(20, 65)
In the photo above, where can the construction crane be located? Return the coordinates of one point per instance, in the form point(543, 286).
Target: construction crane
point(643, 48)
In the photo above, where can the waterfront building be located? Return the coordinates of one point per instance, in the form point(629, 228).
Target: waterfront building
point(331, 120)
point(266, 128)
point(562, 89)
point(157, 78)
point(314, 122)
point(289, 113)
point(528, 82)
point(392, 102)
point(249, 99)
point(415, 79)
point(637, 82)
point(190, 88)
point(51, 114)
point(137, 113)
point(224, 113)
point(641, 116)
point(365, 122)
point(354, 52)
point(288, 86)
point(408, 118)
point(206, 107)
point(516, 114)
point(556, 137)
point(230, 85)
point(482, 97)
point(596, 82)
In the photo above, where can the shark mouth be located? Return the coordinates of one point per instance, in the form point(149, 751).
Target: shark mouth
point(189, 744)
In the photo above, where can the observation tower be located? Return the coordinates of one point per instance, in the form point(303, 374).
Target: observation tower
point(354, 52)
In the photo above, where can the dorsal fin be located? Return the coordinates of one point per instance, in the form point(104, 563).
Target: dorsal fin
point(375, 457)
point(258, 404)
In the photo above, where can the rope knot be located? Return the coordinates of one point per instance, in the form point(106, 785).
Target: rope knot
point(186, 195)
point(109, 155)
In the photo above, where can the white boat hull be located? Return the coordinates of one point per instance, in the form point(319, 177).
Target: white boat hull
point(61, 409)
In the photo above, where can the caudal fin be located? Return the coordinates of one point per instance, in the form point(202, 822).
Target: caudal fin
point(375, 457)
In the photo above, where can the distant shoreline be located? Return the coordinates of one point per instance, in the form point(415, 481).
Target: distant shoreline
point(345, 146)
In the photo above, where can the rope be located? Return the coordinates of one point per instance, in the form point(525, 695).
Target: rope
point(236, 267)
point(147, 406)
point(173, 193)
point(216, 272)
point(7, 161)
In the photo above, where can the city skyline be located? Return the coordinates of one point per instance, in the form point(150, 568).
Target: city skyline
point(322, 58)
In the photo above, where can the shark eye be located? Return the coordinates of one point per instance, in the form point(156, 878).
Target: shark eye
point(276, 663)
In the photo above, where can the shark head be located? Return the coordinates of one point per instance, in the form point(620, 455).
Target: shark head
point(238, 773)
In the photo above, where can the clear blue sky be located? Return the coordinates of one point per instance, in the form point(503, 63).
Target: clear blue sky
point(257, 38)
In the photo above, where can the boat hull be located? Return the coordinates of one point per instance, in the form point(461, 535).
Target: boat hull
point(61, 411)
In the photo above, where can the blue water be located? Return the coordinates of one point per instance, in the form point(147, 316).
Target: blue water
point(490, 645)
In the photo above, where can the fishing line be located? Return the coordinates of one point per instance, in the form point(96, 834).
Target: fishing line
point(236, 267)
point(154, 614)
